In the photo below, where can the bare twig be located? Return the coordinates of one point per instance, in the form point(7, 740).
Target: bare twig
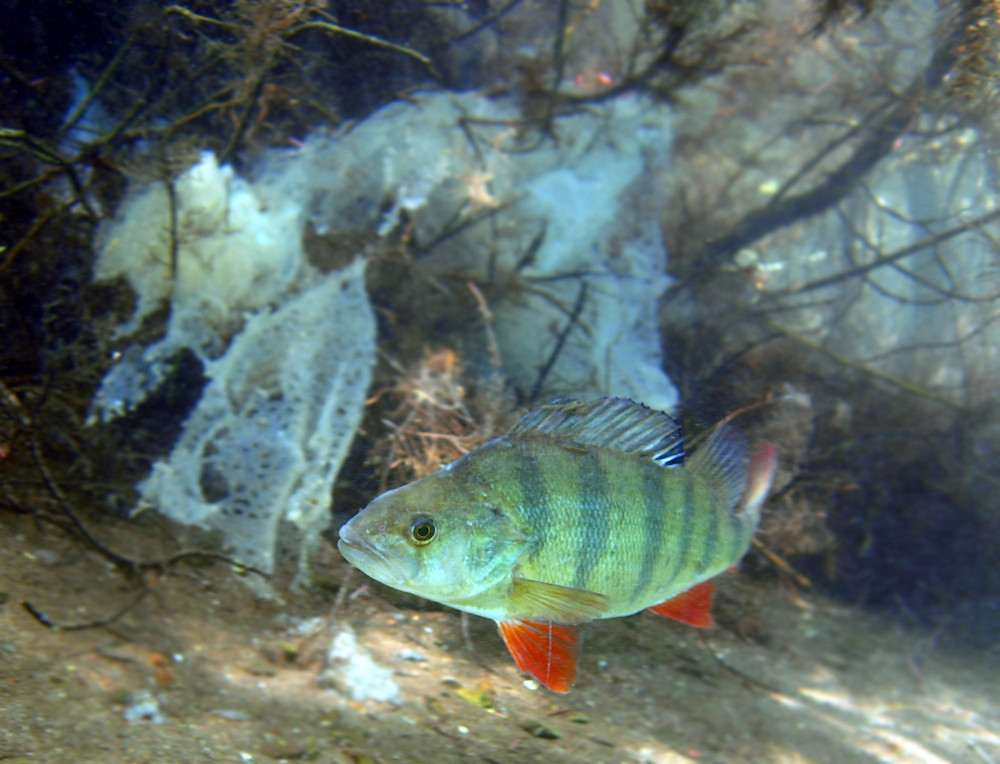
point(574, 318)
point(896, 382)
point(485, 22)
point(892, 257)
point(48, 623)
point(328, 26)
point(134, 569)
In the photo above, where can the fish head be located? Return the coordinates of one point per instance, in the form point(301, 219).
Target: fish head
point(437, 538)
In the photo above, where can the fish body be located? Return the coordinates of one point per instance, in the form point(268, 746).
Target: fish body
point(583, 511)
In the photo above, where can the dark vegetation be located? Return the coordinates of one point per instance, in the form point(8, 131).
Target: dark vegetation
point(892, 499)
point(886, 496)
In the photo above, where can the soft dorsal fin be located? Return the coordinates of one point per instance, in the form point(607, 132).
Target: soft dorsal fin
point(614, 423)
point(721, 461)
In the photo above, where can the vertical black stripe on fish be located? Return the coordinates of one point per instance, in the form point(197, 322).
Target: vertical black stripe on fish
point(734, 539)
point(686, 536)
point(709, 548)
point(742, 536)
point(534, 496)
point(722, 554)
point(654, 501)
point(595, 520)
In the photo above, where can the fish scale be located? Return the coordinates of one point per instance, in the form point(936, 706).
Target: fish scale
point(582, 511)
point(572, 530)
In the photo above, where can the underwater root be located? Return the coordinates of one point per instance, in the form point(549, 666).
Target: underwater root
point(25, 434)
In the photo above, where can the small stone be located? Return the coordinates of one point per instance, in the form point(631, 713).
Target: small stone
point(540, 730)
point(143, 706)
point(232, 715)
point(411, 655)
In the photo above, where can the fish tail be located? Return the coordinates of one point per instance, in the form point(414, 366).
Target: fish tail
point(763, 464)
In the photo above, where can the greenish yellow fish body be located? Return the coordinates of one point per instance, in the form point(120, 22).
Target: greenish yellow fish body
point(583, 511)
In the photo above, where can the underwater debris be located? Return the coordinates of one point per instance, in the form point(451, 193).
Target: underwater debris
point(222, 252)
point(573, 290)
point(22, 448)
point(260, 36)
point(282, 405)
point(434, 413)
point(143, 706)
point(209, 244)
point(267, 439)
point(351, 670)
point(208, 75)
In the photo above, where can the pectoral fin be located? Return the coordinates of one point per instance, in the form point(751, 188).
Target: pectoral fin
point(538, 601)
point(693, 607)
point(547, 651)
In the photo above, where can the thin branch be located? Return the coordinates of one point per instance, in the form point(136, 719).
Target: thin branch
point(828, 149)
point(81, 108)
point(43, 152)
point(328, 26)
point(38, 225)
point(487, 21)
point(48, 623)
point(892, 257)
point(241, 128)
point(901, 384)
point(560, 342)
point(26, 422)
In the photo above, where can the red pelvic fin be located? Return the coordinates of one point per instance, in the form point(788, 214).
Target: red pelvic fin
point(693, 607)
point(547, 651)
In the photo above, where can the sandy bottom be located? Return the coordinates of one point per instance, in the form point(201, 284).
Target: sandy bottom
point(207, 672)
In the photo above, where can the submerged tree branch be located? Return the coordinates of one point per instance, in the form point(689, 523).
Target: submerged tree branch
point(901, 384)
point(892, 257)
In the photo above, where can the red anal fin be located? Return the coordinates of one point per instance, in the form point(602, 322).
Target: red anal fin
point(693, 607)
point(547, 651)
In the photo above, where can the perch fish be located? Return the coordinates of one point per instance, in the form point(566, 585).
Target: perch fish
point(582, 511)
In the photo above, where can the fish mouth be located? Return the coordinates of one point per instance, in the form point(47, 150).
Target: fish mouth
point(368, 558)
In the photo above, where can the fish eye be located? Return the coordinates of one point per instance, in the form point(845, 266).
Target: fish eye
point(422, 530)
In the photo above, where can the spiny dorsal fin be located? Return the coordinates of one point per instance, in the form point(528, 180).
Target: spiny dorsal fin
point(614, 423)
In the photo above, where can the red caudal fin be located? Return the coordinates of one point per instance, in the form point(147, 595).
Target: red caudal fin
point(693, 607)
point(547, 651)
